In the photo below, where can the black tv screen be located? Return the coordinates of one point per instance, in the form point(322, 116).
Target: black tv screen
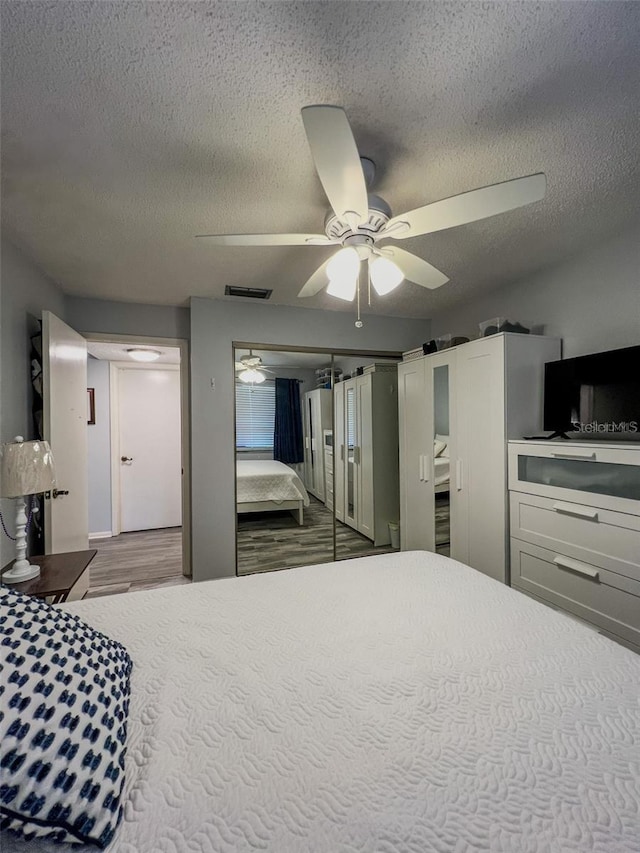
point(594, 396)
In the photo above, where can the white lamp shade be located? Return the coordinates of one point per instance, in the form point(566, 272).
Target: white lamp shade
point(343, 288)
point(251, 375)
point(26, 468)
point(345, 264)
point(385, 275)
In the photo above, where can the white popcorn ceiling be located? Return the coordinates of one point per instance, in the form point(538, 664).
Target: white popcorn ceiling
point(130, 127)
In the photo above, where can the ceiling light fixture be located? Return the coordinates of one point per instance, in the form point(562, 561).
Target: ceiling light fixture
point(342, 271)
point(385, 275)
point(139, 354)
point(251, 376)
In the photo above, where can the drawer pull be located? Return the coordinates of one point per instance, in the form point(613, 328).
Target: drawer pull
point(577, 566)
point(459, 475)
point(573, 509)
point(559, 455)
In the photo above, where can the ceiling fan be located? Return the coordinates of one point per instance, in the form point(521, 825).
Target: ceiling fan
point(359, 220)
point(251, 370)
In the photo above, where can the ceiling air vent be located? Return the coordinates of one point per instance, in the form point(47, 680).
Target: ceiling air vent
point(248, 292)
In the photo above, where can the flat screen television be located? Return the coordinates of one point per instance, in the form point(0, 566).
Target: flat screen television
point(594, 396)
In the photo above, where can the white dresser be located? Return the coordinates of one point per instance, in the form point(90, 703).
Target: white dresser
point(575, 530)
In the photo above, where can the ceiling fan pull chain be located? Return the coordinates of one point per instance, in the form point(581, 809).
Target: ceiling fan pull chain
point(358, 324)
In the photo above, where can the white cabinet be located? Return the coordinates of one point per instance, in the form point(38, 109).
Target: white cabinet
point(495, 389)
point(316, 419)
point(575, 530)
point(366, 491)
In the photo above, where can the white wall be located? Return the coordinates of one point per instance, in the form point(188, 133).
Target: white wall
point(25, 293)
point(215, 324)
point(99, 448)
point(591, 301)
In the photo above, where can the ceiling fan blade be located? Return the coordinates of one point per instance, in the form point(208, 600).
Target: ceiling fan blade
point(414, 268)
point(337, 160)
point(317, 281)
point(467, 207)
point(267, 239)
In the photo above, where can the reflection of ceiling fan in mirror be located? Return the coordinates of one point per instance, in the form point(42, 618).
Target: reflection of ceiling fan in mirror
point(359, 220)
point(251, 370)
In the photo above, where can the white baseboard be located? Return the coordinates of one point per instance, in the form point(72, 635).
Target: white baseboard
point(105, 534)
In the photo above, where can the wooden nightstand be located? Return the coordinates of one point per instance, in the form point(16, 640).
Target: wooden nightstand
point(59, 573)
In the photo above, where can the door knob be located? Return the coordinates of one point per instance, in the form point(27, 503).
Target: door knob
point(57, 492)
point(126, 458)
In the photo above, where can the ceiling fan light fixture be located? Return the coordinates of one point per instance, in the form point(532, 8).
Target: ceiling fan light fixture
point(251, 376)
point(385, 275)
point(343, 270)
point(140, 354)
point(344, 288)
point(345, 264)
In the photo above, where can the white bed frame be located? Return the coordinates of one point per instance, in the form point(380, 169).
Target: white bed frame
point(296, 508)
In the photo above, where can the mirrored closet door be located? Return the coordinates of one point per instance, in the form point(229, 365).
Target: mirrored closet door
point(284, 465)
point(427, 452)
point(316, 457)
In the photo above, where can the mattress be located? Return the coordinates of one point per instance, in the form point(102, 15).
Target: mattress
point(441, 470)
point(268, 480)
point(402, 703)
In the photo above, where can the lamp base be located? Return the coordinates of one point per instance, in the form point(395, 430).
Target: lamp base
point(21, 571)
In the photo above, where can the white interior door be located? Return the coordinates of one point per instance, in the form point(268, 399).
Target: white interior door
point(149, 447)
point(64, 373)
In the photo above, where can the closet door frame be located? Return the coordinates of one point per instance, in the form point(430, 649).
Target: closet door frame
point(339, 466)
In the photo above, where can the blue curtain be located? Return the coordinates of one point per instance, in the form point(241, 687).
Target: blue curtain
point(287, 435)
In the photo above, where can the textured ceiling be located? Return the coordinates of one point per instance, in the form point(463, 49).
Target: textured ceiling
point(130, 127)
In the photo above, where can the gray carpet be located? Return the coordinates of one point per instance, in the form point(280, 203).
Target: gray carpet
point(274, 540)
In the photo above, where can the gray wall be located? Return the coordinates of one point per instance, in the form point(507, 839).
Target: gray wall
point(127, 318)
point(26, 292)
point(99, 449)
point(591, 301)
point(214, 326)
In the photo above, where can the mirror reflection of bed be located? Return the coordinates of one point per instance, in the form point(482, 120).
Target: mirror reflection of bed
point(441, 458)
point(286, 471)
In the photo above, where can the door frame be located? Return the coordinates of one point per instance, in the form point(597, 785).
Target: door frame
point(185, 426)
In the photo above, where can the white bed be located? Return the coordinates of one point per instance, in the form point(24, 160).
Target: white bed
point(264, 485)
point(441, 464)
point(394, 704)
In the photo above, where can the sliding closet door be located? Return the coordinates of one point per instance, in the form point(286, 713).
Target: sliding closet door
point(415, 411)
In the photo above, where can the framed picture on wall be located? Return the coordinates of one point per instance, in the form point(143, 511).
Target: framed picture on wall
point(91, 405)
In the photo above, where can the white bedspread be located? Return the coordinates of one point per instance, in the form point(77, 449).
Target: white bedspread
point(268, 480)
point(394, 704)
point(441, 470)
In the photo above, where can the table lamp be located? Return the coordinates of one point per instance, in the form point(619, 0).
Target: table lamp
point(26, 468)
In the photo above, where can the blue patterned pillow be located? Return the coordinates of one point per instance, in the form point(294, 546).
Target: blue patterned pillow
point(64, 703)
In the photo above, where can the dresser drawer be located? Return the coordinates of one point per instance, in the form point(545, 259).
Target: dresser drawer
point(606, 599)
point(602, 537)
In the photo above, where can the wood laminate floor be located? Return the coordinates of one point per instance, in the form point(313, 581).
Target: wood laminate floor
point(132, 561)
point(274, 540)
